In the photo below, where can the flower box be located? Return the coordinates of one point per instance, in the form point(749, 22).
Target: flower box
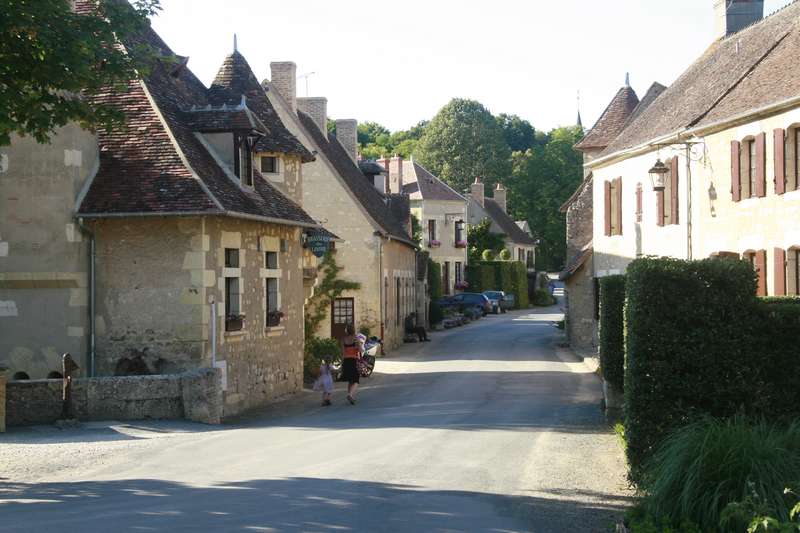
point(234, 322)
point(434, 244)
point(461, 244)
point(274, 318)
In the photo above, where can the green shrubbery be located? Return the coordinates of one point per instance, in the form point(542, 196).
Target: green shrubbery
point(508, 276)
point(712, 473)
point(435, 313)
point(612, 330)
point(317, 349)
point(542, 298)
point(434, 280)
point(700, 343)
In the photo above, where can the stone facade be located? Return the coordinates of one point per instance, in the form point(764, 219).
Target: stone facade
point(581, 324)
point(288, 175)
point(195, 396)
point(445, 214)
point(154, 302)
point(44, 271)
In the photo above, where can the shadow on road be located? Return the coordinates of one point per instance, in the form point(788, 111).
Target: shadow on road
point(291, 505)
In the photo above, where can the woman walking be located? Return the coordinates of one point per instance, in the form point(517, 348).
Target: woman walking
point(351, 351)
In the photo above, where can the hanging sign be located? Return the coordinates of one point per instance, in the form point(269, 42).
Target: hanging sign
point(318, 244)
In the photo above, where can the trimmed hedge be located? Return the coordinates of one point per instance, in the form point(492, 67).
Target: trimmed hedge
point(612, 330)
point(699, 342)
point(508, 276)
point(434, 279)
point(520, 277)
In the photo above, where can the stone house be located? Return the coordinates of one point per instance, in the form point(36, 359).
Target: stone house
point(375, 248)
point(520, 243)
point(727, 132)
point(161, 247)
point(442, 214)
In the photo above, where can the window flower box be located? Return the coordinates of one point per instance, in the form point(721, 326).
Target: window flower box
point(434, 244)
point(274, 318)
point(461, 244)
point(461, 285)
point(234, 322)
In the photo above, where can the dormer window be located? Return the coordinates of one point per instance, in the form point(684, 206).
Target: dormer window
point(269, 164)
point(243, 160)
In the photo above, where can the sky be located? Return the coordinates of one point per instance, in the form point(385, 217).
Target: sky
point(397, 63)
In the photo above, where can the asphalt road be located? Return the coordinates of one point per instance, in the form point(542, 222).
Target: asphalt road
point(487, 428)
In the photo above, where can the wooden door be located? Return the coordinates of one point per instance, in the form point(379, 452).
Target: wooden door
point(342, 313)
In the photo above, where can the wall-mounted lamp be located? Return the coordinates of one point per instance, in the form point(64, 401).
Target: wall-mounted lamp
point(658, 175)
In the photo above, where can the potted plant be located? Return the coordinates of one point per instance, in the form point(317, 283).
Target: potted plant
point(274, 318)
point(434, 243)
point(234, 322)
point(461, 244)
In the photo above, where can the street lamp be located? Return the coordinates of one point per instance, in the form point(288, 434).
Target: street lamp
point(658, 175)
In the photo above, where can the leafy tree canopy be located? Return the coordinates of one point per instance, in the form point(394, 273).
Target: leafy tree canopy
point(53, 61)
point(463, 141)
point(481, 239)
point(518, 132)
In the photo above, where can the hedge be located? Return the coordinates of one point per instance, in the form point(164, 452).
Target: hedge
point(612, 330)
point(520, 277)
point(508, 276)
point(434, 280)
point(699, 342)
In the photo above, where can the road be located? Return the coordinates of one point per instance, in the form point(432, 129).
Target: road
point(489, 427)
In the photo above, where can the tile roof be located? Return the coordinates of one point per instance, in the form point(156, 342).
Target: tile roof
point(505, 222)
point(425, 185)
point(235, 79)
point(576, 262)
point(612, 121)
point(158, 163)
point(373, 202)
point(650, 96)
point(751, 68)
point(587, 181)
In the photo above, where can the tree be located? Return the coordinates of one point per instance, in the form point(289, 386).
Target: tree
point(481, 239)
point(543, 178)
point(464, 141)
point(54, 61)
point(518, 132)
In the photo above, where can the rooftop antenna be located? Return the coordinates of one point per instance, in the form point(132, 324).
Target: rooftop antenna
point(235, 48)
point(305, 77)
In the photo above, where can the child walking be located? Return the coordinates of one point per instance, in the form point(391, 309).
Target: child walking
point(324, 382)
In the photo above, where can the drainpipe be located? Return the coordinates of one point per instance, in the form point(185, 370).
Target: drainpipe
point(688, 202)
point(379, 237)
point(92, 294)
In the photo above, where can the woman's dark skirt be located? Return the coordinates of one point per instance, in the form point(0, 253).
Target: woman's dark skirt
point(350, 370)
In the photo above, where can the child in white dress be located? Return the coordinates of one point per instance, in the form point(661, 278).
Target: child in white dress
point(324, 382)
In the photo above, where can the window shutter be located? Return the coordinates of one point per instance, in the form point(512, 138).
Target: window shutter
point(660, 208)
point(780, 271)
point(761, 268)
point(779, 139)
point(619, 206)
point(674, 191)
point(608, 207)
point(736, 182)
point(761, 165)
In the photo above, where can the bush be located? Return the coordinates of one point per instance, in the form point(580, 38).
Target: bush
point(487, 255)
point(543, 298)
point(520, 279)
point(487, 278)
point(505, 255)
point(702, 468)
point(434, 279)
point(317, 349)
point(435, 313)
point(612, 330)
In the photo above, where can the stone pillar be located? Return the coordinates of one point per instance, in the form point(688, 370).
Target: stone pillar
point(284, 79)
point(396, 174)
point(347, 135)
point(2, 400)
point(316, 107)
point(500, 196)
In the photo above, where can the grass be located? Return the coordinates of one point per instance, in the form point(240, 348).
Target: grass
point(703, 467)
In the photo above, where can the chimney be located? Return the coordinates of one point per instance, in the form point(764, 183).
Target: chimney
point(476, 191)
point(284, 79)
point(733, 15)
point(500, 196)
point(347, 135)
point(396, 174)
point(316, 107)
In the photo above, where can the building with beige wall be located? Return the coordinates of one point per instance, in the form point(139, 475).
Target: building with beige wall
point(177, 251)
point(442, 214)
point(375, 247)
point(726, 132)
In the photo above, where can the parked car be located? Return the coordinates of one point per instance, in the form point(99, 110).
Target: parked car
point(498, 301)
point(468, 299)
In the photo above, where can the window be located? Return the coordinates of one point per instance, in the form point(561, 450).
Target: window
point(458, 272)
point(269, 164)
point(271, 260)
point(791, 155)
point(459, 231)
point(667, 200)
point(233, 316)
point(529, 259)
point(431, 230)
point(748, 168)
point(243, 160)
point(231, 258)
point(272, 299)
point(751, 173)
point(613, 207)
point(520, 254)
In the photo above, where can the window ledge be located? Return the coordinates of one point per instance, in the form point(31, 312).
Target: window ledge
point(239, 333)
point(274, 331)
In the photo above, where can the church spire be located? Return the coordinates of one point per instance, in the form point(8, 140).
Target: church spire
point(235, 48)
point(627, 79)
point(579, 123)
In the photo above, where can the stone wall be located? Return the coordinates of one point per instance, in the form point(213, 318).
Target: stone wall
point(43, 254)
point(439, 210)
point(579, 220)
point(580, 312)
point(195, 395)
point(399, 267)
